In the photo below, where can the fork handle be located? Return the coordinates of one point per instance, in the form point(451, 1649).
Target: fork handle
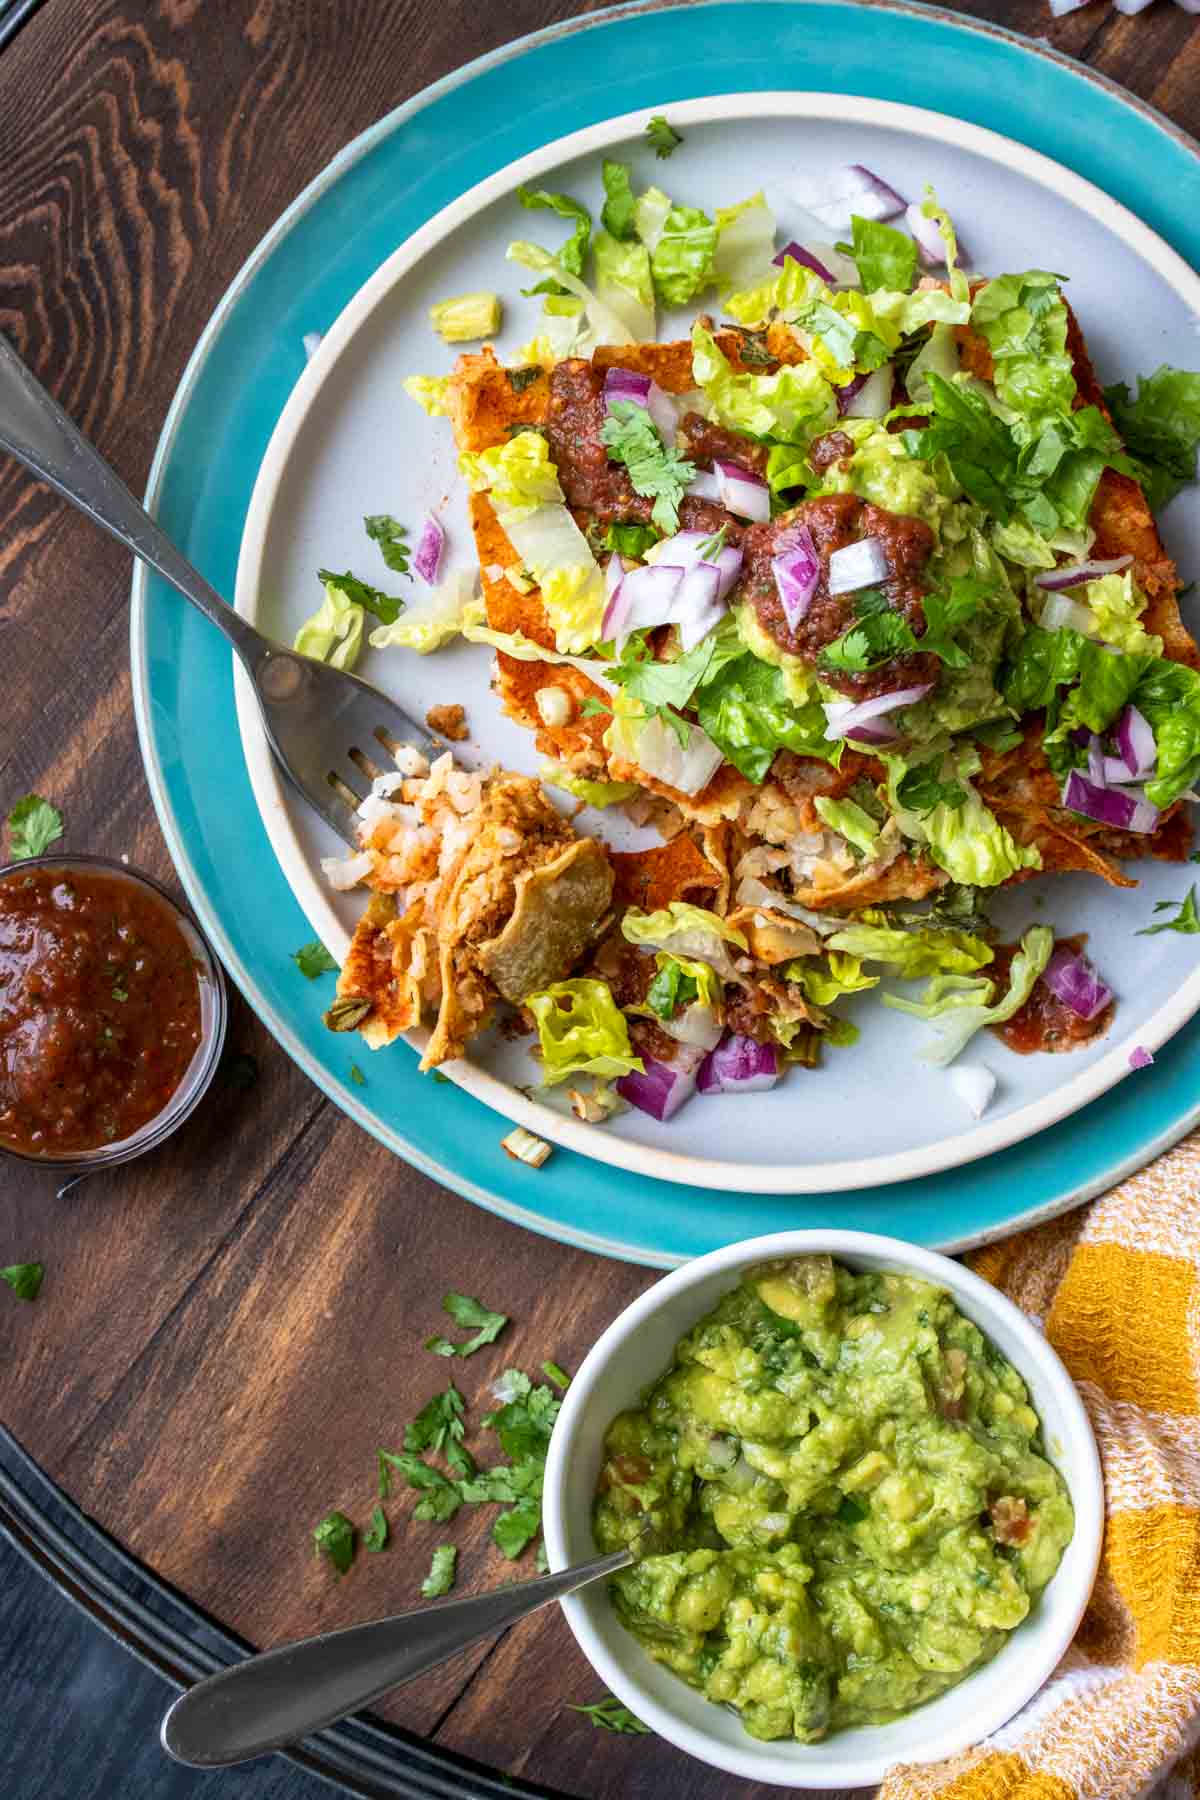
point(35, 429)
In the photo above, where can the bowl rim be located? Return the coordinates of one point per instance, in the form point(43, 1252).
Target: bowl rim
point(196, 1078)
point(820, 1766)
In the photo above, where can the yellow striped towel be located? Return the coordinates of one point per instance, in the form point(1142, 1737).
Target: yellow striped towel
point(1116, 1287)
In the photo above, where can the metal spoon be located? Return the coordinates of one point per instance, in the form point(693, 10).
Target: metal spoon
point(277, 1698)
point(323, 724)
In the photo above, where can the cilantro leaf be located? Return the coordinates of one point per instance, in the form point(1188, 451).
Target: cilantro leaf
point(515, 1528)
point(655, 471)
point(1161, 427)
point(671, 989)
point(886, 258)
point(619, 204)
point(851, 1510)
point(33, 825)
point(25, 1279)
point(661, 137)
point(357, 1076)
point(1186, 918)
point(471, 1315)
point(334, 1538)
point(440, 1498)
point(875, 639)
point(376, 1535)
point(571, 254)
point(390, 535)
point(386, 607)
point(440, 1578)
point(313, 960)
point(630, 540)
point(439, 1426)
point(609, 1715)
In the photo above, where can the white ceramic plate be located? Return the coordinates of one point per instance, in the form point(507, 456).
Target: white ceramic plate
point(350, 442)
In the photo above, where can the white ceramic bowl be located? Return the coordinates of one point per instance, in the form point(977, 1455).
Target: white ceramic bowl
point(637, 1347)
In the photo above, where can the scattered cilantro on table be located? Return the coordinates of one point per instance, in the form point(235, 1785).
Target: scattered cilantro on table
point(25, 1279)
point(439, 1426)
point(313, 960)
point(609, 1715)
point(440, 1578)
point(33, 825)
point(662, 138)
point(1186, 919)
point(334, 1538)
point(470, 1315)
point(376, 1535)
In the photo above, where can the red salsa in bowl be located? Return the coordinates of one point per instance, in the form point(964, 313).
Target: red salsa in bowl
point(111, 1011)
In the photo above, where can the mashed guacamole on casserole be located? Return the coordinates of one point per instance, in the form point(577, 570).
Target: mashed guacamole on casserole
point(850, 1500)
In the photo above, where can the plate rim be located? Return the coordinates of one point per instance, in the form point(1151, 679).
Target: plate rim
point(360, 147)
point(359, 315)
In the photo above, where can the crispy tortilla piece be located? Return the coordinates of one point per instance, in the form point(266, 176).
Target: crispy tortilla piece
point(379, 968)
point(651, 879)
point(907, 878)
point(774, 937)
point(465, 1007)
point(483, 403)
point(553, 919)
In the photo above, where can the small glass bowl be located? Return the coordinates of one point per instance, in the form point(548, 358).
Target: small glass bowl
point(213, 1013)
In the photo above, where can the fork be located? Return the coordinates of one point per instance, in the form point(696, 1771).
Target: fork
point(325, 726)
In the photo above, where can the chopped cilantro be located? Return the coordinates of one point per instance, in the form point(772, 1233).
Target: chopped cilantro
point(520, 379)
point(662, 138)
point(33, 825)
point(630, 540)
point(439, 1426)
point(671, 989)
point(440, 1498)
point(712, 546)
point(357, 1076)
point(25, 1279)
point(851, 1510)
point(313, 960)
point(334, 1538)
point(440, 1578)
point(385, 607)
point(592, 707)
point(376, 1535)
point(874, 640)
point(1185, 920)
point(391, 537)
point(656, 472)
point(663, 687)
point(470, 1315)
point(609, 1715)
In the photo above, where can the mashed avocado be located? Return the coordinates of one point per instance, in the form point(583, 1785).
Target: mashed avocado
point(850, 1500)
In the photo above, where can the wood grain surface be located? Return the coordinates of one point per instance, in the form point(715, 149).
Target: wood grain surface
point(229, 1328)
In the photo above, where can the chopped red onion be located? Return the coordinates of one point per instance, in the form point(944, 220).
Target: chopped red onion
point(1109, 806)
point(849, 718)
point(698, 605)
point(857, 566)
point(616, 603)
point(1070, 575)
point(649, 592)
point(684, 550)
point(799, 254)
point(739, 1066)
point(797, 570)
point(1076, 983)
point(931, 245)
point(1135, 741)
point(1140, 1057)
point(664, 1087)
point(705, 486)
point(1096, 761)
point(872, 396)
point(844, 395)
point(743, 492)
point(1060, 612)
point(427, 557)
point(851, 189)
point(626, 384)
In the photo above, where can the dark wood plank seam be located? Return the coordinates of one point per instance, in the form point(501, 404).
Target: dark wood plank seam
point(237, 1224)
point(468, 1684)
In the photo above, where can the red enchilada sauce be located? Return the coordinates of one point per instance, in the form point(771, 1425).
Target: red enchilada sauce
point(99, 1009)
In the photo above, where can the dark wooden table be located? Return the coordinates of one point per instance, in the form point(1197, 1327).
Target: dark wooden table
point(229, 1328)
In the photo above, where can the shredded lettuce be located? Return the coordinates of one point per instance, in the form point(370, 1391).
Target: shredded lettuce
point(794, 404)
point(1117, 603)
point(606, 326)
point(960, 1008)
point(429, 392)
point(939, 352)
point(886, 258)
point(650, 216)
point(624, 286)
point(745, 243)
point(1168, 695)
point(593, 793)
point(581, 1031)
point(845, 816)
point(619, 204)
point(1161, 428)
point(688, 932)
point(680, 982)
point(530, 507)
point(966, 839)
point(334, 633)
point(1024, 320)
point(466, 317)
point(427, 626)
point(747, 712)
point(926, 951)
point(682, 258)
point(573, 253)
point(960, 287)
point(825, 979)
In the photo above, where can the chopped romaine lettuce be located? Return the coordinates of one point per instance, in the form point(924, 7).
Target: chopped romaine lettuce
point(691, 933)
point(939, 352)
point(926, 951)
point(466, 317)
point(573, 253)
point(1117, 603)
point(623, 284)
point(650, 216)
point(681, 260)
point(745, 244)
point(1161, 428)
point(794, 404)
point(427, 626)
point(334, 633)
point(886, 258)
point(825, 979)
point(619, 204)
point(581, 1031)
point(1024, 320)
point(960, 287)
point(960, 1008)
point(606, 327)
point(845, 816)
point(746, 711)
point(429, 392)
point(966, 839)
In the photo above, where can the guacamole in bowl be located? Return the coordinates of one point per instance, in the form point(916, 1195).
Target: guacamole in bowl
point(849, 1503)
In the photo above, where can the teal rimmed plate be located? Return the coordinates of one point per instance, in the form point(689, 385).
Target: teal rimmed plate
point(378, 193)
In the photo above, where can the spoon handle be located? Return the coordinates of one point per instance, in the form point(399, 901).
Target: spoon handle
point(275, 1699)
